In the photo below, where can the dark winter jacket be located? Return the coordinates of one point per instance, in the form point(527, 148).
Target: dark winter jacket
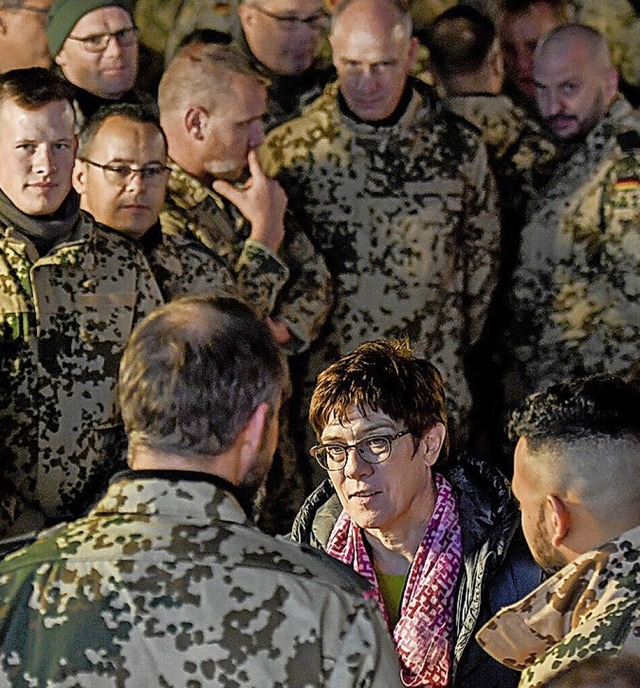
point(497, 568)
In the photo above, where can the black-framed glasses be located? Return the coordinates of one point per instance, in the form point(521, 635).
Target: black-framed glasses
point(98, 42)
point(318, 20)
point(118, 173)
point(17, 5)
point(374, 449)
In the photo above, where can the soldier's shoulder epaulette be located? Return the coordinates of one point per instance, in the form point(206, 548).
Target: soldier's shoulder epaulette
point(629, 141)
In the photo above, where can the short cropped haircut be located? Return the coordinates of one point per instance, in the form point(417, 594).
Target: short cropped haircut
point(130, 111)
point(33, 88)
point(401, 8)
point(205, 36)
point(593, 408)
point(383, 376)
point(459, 40)
point(199, 74)
point(193, 372)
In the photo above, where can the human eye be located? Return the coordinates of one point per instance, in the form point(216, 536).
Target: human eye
point(334, 452)
point(376, 445)
point(152, 170)
point(569, 87)
point(95, 40)
point(26, 146)
point(118, 170)
point(61, 145)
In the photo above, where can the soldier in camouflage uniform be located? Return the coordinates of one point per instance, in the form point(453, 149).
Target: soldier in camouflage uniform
point(574, 307)
point(280, 41)
point(577, 478)
point(211, 103)
point(129, 198)
point(398, 197)
point(70, 295)
point(166, 582)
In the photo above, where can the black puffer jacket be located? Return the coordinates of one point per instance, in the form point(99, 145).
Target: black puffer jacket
point(497, 568)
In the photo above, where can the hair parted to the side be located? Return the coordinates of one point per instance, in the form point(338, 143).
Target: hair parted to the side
point(193, 372)
point(131, 111)
point(384, 376)
point(597, 407)
point(33, 88)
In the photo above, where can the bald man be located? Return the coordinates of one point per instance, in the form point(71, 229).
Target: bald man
point(398, 198)
point(577, 478)
point(574, 307)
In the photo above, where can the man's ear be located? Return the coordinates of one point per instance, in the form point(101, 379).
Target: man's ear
point(78, 176)
point(245, 13)
point(195, 120)
point(413, 52)
point(252, 434)
point(3, 24)
point(431, 443)
point(560, 520)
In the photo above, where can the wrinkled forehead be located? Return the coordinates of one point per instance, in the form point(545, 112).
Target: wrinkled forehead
point(354, 421)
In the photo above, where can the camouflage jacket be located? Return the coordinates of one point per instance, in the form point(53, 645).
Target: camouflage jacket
point(165, 583)
point(182, 265)
point(574, 302)
point(64, 320)
point(293, 286)
point(591, 606)
point(406, 218)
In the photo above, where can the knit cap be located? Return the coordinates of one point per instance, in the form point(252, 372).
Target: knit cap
point(65, 14)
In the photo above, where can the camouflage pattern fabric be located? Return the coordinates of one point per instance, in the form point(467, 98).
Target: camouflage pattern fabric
point(182, 265)
point(575, 306)
point(165, 583)
point(64, 320)
point(591, 606)
point(405, 216)
point(293, 286)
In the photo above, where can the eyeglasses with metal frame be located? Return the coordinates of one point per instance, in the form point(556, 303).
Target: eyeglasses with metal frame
point(98, 42)
point(318, 20)
point(373, 450)
point(120, 174)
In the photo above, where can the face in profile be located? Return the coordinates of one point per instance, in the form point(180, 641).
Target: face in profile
point(123, 179)
point(37, 149)
point(234, 128)
point(573, 91)
point(373, 62)
point(528, 490)
point(283, 34)
point(104, 66)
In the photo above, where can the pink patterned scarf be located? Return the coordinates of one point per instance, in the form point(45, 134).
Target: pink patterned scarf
point(423, 634)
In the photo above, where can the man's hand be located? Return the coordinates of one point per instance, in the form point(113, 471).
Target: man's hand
point(261, 200)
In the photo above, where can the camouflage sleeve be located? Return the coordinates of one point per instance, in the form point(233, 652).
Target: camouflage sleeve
point(481, 242)
point(366, 657)
point(307, 297)
point(260, 276)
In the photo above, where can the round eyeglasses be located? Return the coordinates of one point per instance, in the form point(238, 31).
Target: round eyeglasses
point(374, 449)
point(121, 174)
point(318, 20)
point(98, 42)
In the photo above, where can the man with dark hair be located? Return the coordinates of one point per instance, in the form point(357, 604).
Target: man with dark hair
point(70, 293)
point(437, 540)
point(577, 478)
point(166, 582)
point(94, 46)
point(121, 175)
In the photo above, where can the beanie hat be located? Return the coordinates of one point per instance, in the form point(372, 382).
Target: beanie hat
point(65, 14)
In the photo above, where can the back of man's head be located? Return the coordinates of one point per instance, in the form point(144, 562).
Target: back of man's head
point(194, 372)
point(460, 41)
point(583, 439)
point(384, 376)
